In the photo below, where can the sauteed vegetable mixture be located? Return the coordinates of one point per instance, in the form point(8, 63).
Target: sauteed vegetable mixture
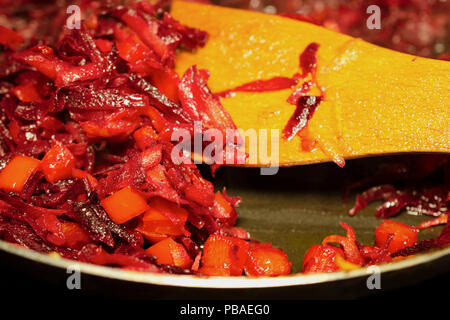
point(86, 120)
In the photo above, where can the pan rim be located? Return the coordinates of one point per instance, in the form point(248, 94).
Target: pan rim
point(191, 281)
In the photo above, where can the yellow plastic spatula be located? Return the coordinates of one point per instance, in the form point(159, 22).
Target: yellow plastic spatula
point(376, 101)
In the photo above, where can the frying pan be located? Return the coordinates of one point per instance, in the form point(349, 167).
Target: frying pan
point(294, 209)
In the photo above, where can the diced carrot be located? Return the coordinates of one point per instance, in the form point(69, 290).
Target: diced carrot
point(403, 235)
point(170, 252)
point(17, 172)
point(236, 232)
point(264, 261)
point(57, 163)
point(176, 213)
point(163, 218)
point(322, 258)
point(150, 236)
point(224, 255)
point(145, 137)
point(156, 222)
point(75, 236)
point(224, 210)
point(124, 205)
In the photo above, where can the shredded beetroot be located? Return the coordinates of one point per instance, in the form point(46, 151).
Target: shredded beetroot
point(421, 197)
point(306, 106)
point(431, 202)
point(108, 97)
point(308, 60)
point(200, 103)
point(273, 84)
point(300, 92)
point(440, 241)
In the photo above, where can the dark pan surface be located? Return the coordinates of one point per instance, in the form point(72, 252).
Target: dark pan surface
point(293, 210)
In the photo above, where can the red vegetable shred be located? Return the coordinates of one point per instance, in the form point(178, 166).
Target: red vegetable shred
point(308, 60)
point(304, 110)
point(273, 84)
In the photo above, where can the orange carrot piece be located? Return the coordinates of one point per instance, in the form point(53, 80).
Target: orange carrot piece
point(322, 258)
point(222, 208)
point(224, 255)
point(150, 236)
point(176, 213)
point(403, 235)
point(162, 219)
point(265, 261)
point(57, 163)
point(170, 252)
point(124, 205)
point(155, 221)
point(17, 172)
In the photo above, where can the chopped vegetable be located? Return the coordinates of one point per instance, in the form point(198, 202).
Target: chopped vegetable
point(263, 260)
point(442, 219)
point(403, 236)
point(124, 205)
point(57, 163)
point(273, 84)
point(308, 60)
point(224, 256)
point(99, 104)
point(322, 258)
point(162, 219)
point(145, 137)
point(168, 251)
point(223, 210)
point(16, 173)
point(348, 244)
point(306, 105)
